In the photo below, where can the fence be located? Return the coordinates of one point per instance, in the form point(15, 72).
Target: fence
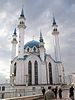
point(32, 97)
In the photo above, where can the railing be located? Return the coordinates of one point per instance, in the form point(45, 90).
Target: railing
point(32, 97)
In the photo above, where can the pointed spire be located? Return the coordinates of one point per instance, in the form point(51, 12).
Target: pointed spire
point(15, 31)
point(41, 38)
point(22, 13)
point(54, 22)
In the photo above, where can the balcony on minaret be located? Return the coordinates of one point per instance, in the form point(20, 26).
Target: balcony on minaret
point(55, 31)
point(54, 25)
point(14, 41)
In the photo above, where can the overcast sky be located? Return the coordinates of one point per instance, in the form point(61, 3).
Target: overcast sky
point(39, 14)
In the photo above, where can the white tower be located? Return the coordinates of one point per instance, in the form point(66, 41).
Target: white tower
point(58, 68)
point(42, 49)
point(21, 27)
point(20, 62)
point(14, 42)
point(56, 42)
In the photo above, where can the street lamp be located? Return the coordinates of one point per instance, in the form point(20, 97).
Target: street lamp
point(12, 81)
point(26, 79)
point(60, 81)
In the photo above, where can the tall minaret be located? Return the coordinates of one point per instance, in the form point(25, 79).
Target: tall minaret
point(14, 42)
point(42, 49)
point(57, 51)
point(56, 41)
point(21, 27)
point(59, 74)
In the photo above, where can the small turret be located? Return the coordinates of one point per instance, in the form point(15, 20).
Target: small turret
point(41, 47)
point(41, 38)
point(14, 42)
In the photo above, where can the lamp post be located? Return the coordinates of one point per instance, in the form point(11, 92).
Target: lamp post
point(26, 79)
point(12, 81)
point(60, 81)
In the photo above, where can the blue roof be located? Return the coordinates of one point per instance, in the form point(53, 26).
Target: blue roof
point(31, 44)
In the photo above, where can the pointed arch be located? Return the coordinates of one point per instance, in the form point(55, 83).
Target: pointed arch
point(29, 73)
point(15, 69)
point(50, 73)
point(36, 72)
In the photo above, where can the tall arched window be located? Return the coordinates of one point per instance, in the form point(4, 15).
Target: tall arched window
point(50, 73)
point(34, 49)
point(29, 73)
point(15, 69)
point(36, 72)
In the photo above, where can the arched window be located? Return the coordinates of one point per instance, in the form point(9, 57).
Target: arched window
point(28, 49)
point(29, 73)
point(36, 72)
point(3, 88)
point(15, 69)
point(34, 49)
point(50, 73)
point(20, 22)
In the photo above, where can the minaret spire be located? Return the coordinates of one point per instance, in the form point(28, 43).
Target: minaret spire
point(14, 31)
point(54, 22)
point(22, 13)
point(41, 38)
point(41, 47)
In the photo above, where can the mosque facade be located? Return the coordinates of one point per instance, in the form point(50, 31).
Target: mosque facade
point(33, 66)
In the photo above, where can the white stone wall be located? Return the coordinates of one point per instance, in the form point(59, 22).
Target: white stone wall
point(43, 70)
point(20, 72)
point(13, 53)
point(48, 59)
point(42, 53)
point(43, 73)
point(33, 58)
point(21, 43)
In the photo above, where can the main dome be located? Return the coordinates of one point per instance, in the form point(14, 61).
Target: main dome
point(31, 44)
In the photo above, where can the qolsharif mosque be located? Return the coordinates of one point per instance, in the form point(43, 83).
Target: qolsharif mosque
point(33, 66)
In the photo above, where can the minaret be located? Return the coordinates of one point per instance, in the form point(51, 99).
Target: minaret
point(41, 47)
point(57, 52)
point(21, 27)
point(56, 41)
point(59, 74)
point(14, 42)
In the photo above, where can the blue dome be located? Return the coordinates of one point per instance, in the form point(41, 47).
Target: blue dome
point(31, 44)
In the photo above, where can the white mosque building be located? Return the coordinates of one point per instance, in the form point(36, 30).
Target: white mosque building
point(33, 66)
